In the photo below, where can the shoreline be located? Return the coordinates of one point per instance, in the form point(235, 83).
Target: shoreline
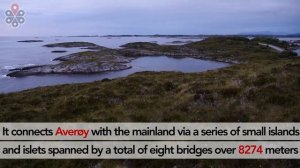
point(141, 49)
point(102, 59)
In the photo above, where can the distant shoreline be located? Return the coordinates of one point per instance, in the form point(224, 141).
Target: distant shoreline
point(297, 35)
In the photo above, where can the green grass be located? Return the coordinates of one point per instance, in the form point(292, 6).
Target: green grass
point(233, 48)
point(264, 88)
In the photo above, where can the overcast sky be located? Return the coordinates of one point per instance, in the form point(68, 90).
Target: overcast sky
point(102, 17)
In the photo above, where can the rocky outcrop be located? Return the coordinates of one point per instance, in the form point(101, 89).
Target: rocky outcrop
point(85, 67)
point(71, 44)
point(59, 51)
point(82, 62)
point(30, 41)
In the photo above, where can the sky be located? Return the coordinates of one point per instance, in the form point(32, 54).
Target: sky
point(144, 17)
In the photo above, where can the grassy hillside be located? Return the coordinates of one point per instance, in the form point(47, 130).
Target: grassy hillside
point(264, 88)
point(251, 92)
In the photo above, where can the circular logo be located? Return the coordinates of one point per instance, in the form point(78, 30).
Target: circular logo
point(14, 16)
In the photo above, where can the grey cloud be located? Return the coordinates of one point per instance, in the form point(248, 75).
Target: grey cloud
point(66, 17)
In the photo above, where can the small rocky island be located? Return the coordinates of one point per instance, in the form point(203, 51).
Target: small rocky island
point(59, 51)
point(30, 41)
point(71, 44)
